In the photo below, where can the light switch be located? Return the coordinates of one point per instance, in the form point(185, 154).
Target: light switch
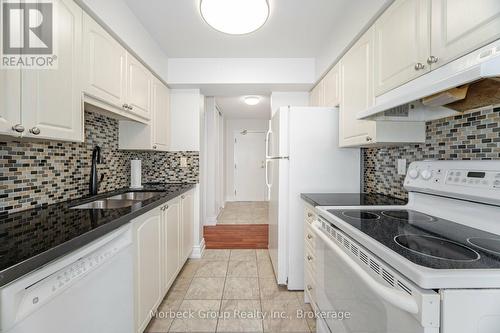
point(184, 162)
point(402, 166)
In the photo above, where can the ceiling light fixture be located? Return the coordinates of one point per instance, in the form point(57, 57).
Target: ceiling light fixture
point(235, 17)
point(252, 100)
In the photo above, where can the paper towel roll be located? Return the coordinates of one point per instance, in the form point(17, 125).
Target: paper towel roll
point(135, 174)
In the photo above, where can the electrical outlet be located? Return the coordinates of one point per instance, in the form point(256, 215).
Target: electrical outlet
point(184, 162)
point(402, 166)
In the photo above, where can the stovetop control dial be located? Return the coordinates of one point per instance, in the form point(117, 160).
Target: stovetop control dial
point(413, 173)
point(426, 174)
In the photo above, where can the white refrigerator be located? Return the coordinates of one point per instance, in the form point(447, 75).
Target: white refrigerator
point(302, 157)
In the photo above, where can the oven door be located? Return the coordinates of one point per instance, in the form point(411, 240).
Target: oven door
point(354, 298)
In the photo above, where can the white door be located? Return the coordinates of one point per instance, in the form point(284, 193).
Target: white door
point(52, 99)
point(171, 227)
point(461, 26)
point(104, 65)
point(402, 42)
point(250, 166)
point(138, 88)
point(161, 115)
point(148, 263)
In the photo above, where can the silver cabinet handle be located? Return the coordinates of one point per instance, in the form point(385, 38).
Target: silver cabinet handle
point(125, 106)
point(309, 236)
point(432, 60)
point(35, 131)
point(183, 197)
point(309, 214)
point(309, 287)
point(18, 128)
point(309, 258)
point(419, 66)
point(130, 107)
point(368, 139)
point(155, 146)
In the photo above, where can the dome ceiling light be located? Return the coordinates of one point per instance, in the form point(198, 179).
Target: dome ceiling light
point(235, 17)
point(252, 100)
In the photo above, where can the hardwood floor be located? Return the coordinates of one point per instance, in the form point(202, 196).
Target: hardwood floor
point(247, 236)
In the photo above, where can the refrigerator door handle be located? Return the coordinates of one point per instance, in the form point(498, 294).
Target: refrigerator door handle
point(268, 136)
point(268, 184)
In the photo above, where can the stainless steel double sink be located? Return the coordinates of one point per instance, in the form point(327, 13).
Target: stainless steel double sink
point(118, 201)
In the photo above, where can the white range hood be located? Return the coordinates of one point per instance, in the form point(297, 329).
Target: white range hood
point(476, 66)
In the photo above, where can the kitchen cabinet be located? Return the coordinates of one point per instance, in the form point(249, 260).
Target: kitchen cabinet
point(47, 103)
point(187, 225)
point(138, 88)
point(402, 44)
point(310, 255)
point(317, 96)
point(171, 235)
point(156, 134)
point(356, 70)
point(104, 65)
point(148, 266)
point(331, 87)
point(462, 26)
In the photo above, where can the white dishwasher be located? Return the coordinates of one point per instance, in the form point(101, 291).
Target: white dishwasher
point(87, 291)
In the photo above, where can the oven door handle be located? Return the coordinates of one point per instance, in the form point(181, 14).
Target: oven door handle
point(396, 298)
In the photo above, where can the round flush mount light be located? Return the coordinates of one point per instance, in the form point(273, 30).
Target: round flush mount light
point(235, 17)
point(252, 100)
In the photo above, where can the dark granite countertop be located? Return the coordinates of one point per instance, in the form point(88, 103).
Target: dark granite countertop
point(33, 238)
point(350, 199)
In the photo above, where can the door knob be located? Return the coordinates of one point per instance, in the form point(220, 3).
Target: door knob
point(35, 131)
point(18, 128)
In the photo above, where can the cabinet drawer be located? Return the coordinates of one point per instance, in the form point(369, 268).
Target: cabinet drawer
point(310, 216)
point(310, 286)
point(309, 236)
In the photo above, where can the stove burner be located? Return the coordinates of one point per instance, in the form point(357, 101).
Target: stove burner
point(360, 215)
point(406, 215)
point(487, 244)
point(438, 248)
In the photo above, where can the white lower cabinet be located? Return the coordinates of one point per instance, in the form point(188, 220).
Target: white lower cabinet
point(163, 241)
point(149, 256)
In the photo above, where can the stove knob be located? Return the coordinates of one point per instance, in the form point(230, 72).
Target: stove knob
point(413, 173)
point(426, 174)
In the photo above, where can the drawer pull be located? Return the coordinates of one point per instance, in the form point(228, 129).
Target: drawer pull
point(309, 258)
point(309, 215)
point(309, 236)
point(309, 288)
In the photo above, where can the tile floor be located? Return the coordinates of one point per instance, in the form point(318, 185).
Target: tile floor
point(231, 291)
point(244, 212)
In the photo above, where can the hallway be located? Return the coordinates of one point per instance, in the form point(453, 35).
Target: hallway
point(223, 287)
point(244, 212)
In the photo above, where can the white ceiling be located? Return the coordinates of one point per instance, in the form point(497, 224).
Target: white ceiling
point(234, 107)
point(295, 29)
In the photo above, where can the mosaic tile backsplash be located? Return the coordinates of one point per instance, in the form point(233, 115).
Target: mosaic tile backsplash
point(471, 136)
point(33, 174)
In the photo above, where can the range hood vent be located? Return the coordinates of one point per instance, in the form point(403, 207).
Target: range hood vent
point(468, 83)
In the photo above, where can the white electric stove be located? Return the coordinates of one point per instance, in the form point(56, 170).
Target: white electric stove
point(432, 265)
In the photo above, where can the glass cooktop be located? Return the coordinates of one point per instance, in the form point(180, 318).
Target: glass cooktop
point(427, 240)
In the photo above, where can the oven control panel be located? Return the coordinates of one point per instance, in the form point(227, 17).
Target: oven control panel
point(470, 180)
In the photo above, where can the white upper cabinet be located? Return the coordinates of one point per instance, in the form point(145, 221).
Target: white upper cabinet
point(104, 63)
point(402, 44)
point(161, 115)
point(461, 26)
point(52, 99)
point(331, 87)
point(317, 95)
point(138, 88)
point(10, 101)
point(356, 69)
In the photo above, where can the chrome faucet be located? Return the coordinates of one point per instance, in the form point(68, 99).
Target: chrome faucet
point(94, 183)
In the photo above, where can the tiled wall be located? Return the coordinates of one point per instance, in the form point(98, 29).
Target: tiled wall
point(473, 135)
point(37, 173)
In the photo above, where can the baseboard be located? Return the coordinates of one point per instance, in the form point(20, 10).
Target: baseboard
point(197, 252)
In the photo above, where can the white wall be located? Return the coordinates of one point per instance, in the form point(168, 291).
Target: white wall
point(232, 125)
point(185, 105)
point(240, 70)
point(117, 16)
point(279, 99)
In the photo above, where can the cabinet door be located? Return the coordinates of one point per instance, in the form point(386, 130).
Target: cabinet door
point(138, 88)
point(161, 115)
point(171, 227)
point(52, 99)
point(402, 43)
point(332, 87)
point(187, 225)
point(104, 65)
point(357, 93)
point(148, 263)
point(461, 26)
point(317, 96)
point(10, 100)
